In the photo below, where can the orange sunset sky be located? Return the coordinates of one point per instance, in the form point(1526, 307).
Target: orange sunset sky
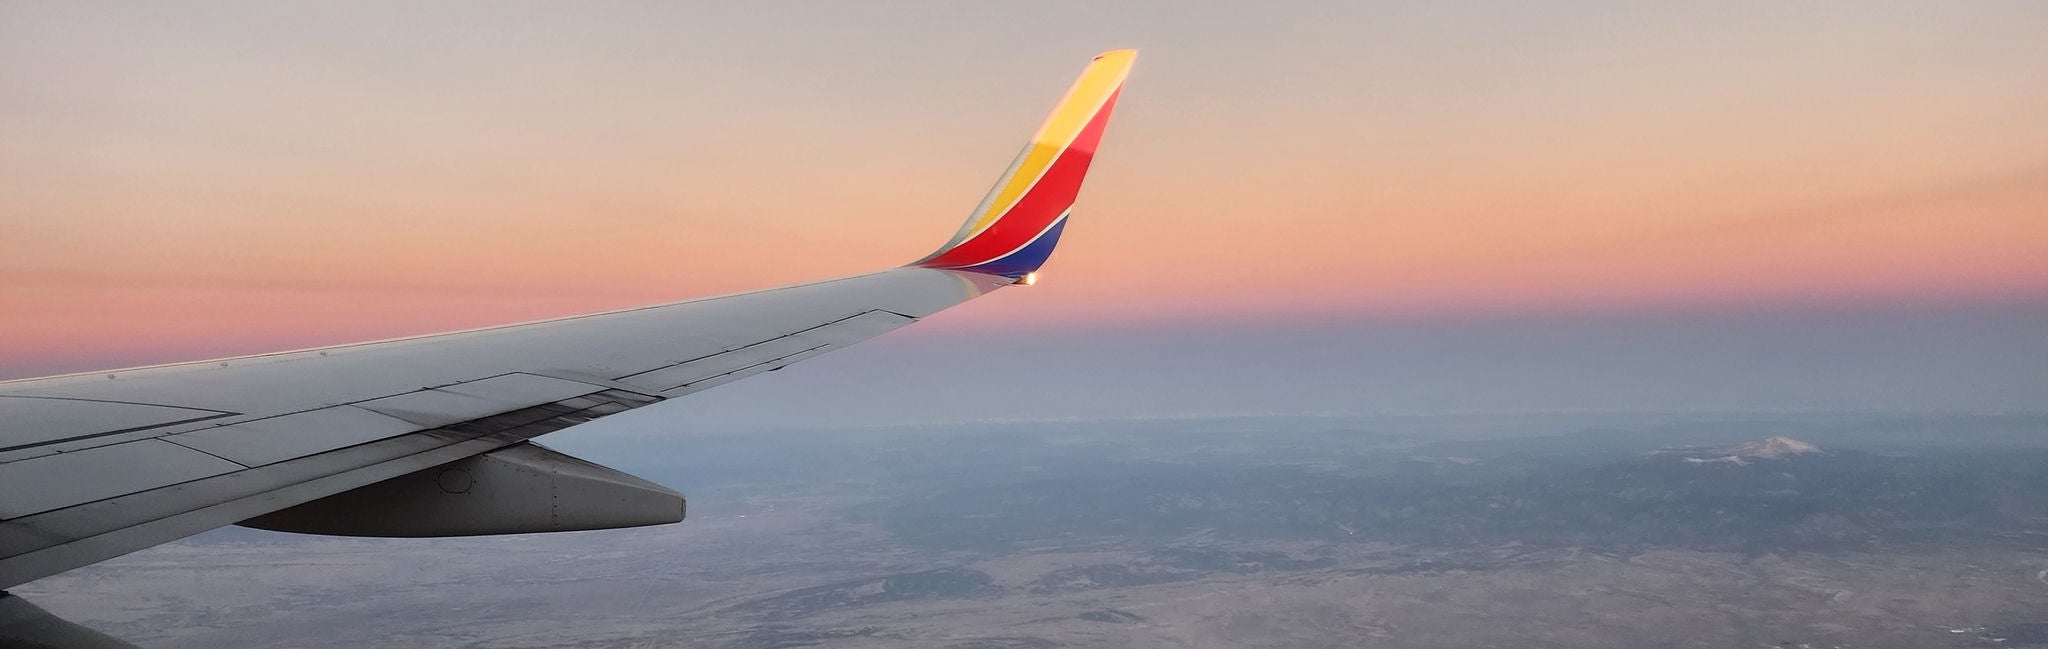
point(220, 178)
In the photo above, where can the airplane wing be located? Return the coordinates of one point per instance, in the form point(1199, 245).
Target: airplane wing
point(428, 436)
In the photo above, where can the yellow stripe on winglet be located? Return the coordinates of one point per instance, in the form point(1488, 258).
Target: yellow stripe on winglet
point(1103, 76)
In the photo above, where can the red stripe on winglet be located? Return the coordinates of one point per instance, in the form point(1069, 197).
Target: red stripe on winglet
point(1037, 209)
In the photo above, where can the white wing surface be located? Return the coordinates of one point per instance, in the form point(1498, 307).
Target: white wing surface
point(428, 436)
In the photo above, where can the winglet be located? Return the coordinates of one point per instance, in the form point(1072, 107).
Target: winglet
point(1014, 229)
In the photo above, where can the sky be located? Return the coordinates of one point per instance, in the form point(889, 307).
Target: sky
point(1299, 207)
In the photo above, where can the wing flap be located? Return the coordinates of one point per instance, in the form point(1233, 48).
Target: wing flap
point(280, 438)
point(49, 482)
point(474, 399)
point(276, 439)
point(38, 421)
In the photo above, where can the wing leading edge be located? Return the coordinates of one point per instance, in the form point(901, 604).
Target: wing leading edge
point(97, 465)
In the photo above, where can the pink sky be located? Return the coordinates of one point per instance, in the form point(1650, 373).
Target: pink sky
point(238, 179)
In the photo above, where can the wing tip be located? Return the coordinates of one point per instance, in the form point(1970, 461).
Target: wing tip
point(1058, 155)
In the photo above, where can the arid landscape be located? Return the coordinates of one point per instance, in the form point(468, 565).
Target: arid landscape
point(1638, 531)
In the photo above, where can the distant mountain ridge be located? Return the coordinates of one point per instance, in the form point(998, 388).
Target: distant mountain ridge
point(1768, 495)
point(1773, 448)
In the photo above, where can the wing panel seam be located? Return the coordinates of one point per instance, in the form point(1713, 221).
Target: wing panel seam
point(76, 438)
point(770, 361)
point(758, 343)
point(173, 442)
